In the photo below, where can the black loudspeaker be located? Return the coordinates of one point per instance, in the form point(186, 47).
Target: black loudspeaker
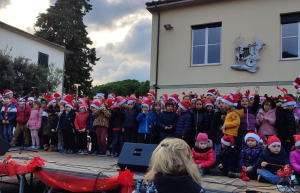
point(4, 146)
point(136, 156)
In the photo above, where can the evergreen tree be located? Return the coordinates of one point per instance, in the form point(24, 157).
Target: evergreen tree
point(63, 24)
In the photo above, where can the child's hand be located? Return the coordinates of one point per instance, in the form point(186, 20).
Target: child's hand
point(150, 126)
point(256, 89)
point(166, 127)
point(261, 120)
point(170, 127)
point(123, 130)
point(7, 122)
point(264, 164)
point(220, 166)
point(3, 121)
point(199, 166)
point(238, 89)
point(223, 117)
point(88, 131)
point(73, 130)
point(266, 118)
point(249, 168)
point(223, 127)
point(83, 130)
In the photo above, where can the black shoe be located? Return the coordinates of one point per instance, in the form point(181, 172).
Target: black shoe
point(261, 179)
point(216, 172)
point(234, 175)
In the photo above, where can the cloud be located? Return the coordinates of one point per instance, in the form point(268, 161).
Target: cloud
point(4, 3)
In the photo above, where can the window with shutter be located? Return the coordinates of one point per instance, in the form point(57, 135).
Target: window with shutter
point(43, 59)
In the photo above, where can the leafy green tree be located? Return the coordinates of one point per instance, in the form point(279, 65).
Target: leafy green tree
point(63, 24)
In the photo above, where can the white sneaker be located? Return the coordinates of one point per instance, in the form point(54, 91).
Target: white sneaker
point(282, 188)
point(32, 147)
point(37, 147)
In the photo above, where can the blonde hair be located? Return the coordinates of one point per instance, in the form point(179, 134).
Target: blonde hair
point(173, 157)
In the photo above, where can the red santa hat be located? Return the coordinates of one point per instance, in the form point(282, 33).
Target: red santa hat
point(263, 138)
point(297, 83)
point(111, 103)
point(151, 93)
point(146, 98)
point(131, 100)
point(251, 96)
point(209, 103)
point(70, 104)
point(212, 92)
point(68, 98)
point(175, 98)
point(185, 104)
point(297, 140)
point(96, 105)
point(84, 105)
point(164, 101)
point(288, 100)
point(30, 99)
point(50, 99)
point(133, 96)
point(262, 98)
point(100, 95)
point(22, 101)
point(146, 103)
point(112, 95)
point(83, 100)
point(254, 135)
point(120, 100)
point(57, 96)
point(273, 140)
point(163, 97)
point(7, 92)
point(228, 140)
point(231, 99)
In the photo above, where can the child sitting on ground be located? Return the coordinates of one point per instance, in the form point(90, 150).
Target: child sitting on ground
point(295, 156)
point(203, 155)
point(227, 160)
point(274, 154)
point(249, 155)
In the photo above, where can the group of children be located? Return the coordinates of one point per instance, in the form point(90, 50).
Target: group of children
point(219, 128)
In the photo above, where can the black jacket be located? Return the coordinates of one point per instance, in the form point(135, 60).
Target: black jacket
point(215, 133)
point(66, 121)
point(184, 124)
point(230, 157)
point(200, 121)
point(167, 119)
point(130, 117)
point(169, 184)
point(280, 159)
point(117, 117)
point(210, 116)
point(285, 124)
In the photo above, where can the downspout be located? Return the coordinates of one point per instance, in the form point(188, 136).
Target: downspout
point(157, 50)
point(63, 76)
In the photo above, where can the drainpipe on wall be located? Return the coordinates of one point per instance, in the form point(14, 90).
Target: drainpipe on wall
point(157, 50)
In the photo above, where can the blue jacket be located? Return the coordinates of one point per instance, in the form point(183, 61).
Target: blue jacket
point(144, 121)
point(130, 117)
point(167, 119)
point(184, 124)
point(280, 159)
point(11, 113)
point(228, 158)
point(249, 156)
point(66, 121)
point(89, 123)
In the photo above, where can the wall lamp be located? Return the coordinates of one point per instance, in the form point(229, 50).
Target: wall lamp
point(168, 27)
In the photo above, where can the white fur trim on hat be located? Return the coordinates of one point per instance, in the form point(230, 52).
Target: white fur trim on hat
point(181, 106)
point(111, 96)
point(253, 135)
point(225, 142)
point(297, 143)
point(10, 92)
point(68, 105)
point(122, 102)
point(83, 107)
point(95, 106)
point(209, 104)
point(193, 99)
point(31, 99)
point(51, 102)
point(100, 95)
point(81, 100)
point(130, 101)
point(163, 103)
point(289, 103)
point(176, 101)
point(227, 102)
point(210, 94)
point(275, 143)
point(145, 106)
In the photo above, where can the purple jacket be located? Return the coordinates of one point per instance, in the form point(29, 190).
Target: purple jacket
point(267, 127)
point(295, 160)
point(35, 119)
point(249, 156)
point(248, 120)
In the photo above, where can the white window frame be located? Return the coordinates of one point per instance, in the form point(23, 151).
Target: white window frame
point(295, 58)
point(206, 49)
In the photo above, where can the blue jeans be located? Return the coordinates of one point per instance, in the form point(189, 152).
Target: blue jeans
point(269, 176)
point(217, 149)
point(204, 170)
point(164, 135)
point(8, 131)
point(118, 135)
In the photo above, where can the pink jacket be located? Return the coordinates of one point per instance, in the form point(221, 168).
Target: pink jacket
point(267, 127)
point(35, 119)
point(295, 160)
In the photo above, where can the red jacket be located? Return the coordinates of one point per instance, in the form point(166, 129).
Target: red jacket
point(205, 157)
point(80, 120)
point(20, 114)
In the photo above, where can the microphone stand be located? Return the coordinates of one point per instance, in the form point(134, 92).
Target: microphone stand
point(23, 129)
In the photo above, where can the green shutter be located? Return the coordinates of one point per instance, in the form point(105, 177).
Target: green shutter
point(290, 18)
point(43, 59)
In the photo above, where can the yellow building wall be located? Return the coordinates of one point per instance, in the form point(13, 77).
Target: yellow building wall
point(239, 17)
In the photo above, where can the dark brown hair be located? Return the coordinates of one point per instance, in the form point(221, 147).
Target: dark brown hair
point(273, 105)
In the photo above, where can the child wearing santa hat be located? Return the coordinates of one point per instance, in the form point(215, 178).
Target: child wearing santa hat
point(285, 122)
point(274, 154)
point(227, 159)
point(80, 126)
point(249, 155)
point(156, 110)
point(209, 106)
point(203, 155)
point(184, 121)
point(145, 120)
point(295, 156)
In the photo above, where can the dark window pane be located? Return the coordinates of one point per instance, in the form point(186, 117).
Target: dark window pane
point(214, 54)
point(290, 29)
point(43, 59)
point(214, 35)
point(199, 37)
point(289, 47)
point(198, 55)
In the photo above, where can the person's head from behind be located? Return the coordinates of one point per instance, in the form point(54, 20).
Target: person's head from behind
point(172, 157)
point(268, 105)
point(36, 105)
point(199, 104)
point(202, 141)
point(245, 102)
point(7, 100)
point(252, 139)
point(274, 144)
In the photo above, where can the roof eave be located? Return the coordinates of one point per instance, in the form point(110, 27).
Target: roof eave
point(179, 4)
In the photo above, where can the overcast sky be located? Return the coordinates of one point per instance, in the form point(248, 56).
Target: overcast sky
point(119, 29)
